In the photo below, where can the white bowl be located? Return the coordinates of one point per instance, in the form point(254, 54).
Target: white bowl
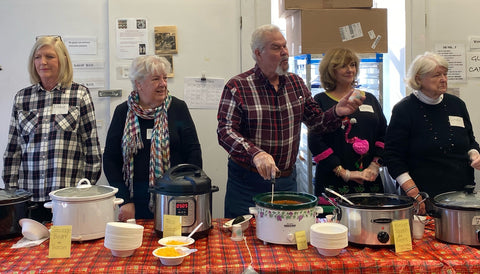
point(120, 228)
point(329, 252)
point(186, 240)
point(329, 228)
point(33, 230)
point(122, 253)
point(245, 223)
point(185, 251)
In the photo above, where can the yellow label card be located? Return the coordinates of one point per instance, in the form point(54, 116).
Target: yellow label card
point(301, 239)
point(172, 225)
point(401, 235)
point(60, 241)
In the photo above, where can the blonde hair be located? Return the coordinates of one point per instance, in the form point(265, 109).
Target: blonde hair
point(65, 72)
point(422, 65)
point(333, 59)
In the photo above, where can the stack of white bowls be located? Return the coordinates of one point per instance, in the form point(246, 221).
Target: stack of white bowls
point(329, 238)
point(123, 238)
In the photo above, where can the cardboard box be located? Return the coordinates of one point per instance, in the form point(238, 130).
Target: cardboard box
point(315, 31)
point(287, 7)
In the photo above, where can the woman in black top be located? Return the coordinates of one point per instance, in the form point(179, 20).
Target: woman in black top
point(430, 145)
point(149, 133)
point(348, 159)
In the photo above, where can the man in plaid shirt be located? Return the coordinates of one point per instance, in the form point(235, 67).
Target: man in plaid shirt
point(259, 121)
point(52, 140)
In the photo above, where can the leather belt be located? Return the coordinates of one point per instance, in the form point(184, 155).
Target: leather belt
point(282, 173)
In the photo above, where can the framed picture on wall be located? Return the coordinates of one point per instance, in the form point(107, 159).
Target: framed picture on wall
point(169, 57)
point(166, 40)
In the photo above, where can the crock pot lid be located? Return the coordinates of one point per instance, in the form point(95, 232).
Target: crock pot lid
point(376, 200)
point(460, 199)
point(184, 184)
point(12, 195)
point(79, 192)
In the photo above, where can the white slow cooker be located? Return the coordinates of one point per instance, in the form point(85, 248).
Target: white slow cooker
point(277, 223)
point(87, 208)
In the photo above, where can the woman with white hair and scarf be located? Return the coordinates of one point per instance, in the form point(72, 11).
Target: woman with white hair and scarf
point(149, 133)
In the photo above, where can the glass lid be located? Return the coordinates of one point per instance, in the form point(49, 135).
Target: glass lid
point(13, 195)
point(83, 190)
point(467, 199)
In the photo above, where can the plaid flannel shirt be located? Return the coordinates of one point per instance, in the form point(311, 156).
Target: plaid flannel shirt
point(52, 140)
point(254, 117)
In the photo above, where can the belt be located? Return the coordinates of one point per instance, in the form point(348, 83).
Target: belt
point(282, 173)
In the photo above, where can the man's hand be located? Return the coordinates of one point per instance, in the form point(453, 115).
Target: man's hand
point(348, 105)
point(265, 165)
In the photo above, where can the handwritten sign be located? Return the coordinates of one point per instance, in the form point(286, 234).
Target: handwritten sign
point(473, 64)
point(401, 235)
point(172, 225)
point(301, 239)
point(60, 241)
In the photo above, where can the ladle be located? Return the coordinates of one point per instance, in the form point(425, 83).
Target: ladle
point(195, 230)
point(339, 195)
point(273, 187)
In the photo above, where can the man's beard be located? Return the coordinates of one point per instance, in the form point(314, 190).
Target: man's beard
point(280, 70)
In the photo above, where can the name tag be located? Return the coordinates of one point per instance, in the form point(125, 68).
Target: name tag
point(60, 109)
point(149, 133)
point(366, 108)
point(456, 121)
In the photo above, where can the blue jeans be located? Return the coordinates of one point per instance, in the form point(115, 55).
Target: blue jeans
point(243, 185)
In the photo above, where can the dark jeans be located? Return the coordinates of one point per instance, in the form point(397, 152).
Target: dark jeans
point(243, 185)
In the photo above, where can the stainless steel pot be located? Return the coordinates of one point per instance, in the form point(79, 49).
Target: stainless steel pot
point(87, 208)
point(457, 216)
point(369, 218)
point(277, 223)
point(14, 205)
point(184, 190)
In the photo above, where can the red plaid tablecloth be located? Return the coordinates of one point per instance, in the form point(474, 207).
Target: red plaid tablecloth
point(218, 254)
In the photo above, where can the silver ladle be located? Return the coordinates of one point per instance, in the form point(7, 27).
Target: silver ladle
point(339, 195)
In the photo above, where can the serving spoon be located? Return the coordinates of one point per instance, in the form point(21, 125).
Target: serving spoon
point(339, 195)
point(195, 230)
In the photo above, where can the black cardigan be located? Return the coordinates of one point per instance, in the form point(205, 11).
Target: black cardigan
point(184, 148)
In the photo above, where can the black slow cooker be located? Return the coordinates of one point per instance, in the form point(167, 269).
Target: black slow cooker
point(184, 190)
point(14, 205)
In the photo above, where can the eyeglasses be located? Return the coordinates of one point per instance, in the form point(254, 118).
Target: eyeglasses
point(46, 36)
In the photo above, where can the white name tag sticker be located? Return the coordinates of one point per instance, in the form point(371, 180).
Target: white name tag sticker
point(149, 133)
point(60, 109)
point(366, 108)
point(456, 121)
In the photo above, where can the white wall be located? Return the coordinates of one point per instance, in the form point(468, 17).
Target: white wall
point(210, 41)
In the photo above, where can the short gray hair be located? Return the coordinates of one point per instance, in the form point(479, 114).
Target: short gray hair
point(421, 65)
point(258, 37)
point(148, 64)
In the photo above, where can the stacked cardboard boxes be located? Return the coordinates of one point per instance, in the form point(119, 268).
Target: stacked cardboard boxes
point(314, 26)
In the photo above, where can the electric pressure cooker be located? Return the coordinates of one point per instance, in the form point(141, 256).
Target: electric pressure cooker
point(184, 190)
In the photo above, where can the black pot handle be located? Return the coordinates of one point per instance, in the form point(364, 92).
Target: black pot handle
point(215, 188)
point(182, 167)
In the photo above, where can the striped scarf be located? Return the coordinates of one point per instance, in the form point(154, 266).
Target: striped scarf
point(132, 139)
